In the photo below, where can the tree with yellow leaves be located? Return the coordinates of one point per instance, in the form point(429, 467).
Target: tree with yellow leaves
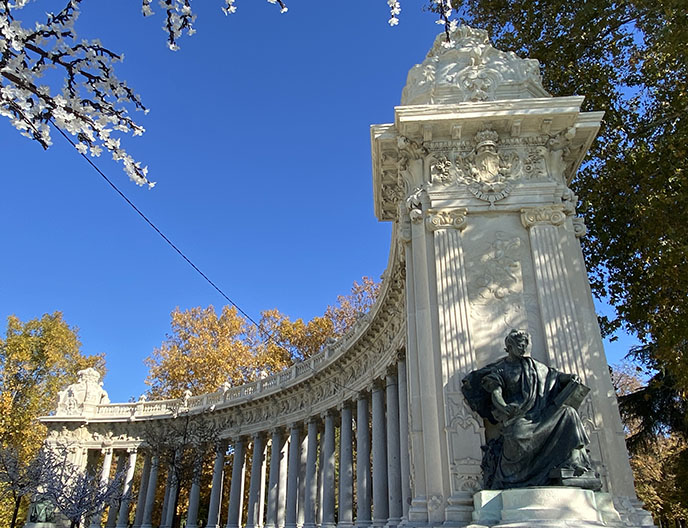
point(37, 359)
point(205, 350)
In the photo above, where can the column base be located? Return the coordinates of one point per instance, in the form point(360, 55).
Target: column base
point(363, 523)
point(544, 507)
point(393, 522)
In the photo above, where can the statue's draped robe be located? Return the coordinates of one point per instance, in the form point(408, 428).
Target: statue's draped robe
point(541, 436)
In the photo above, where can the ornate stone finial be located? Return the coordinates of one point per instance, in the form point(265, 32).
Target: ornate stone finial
point(469, 68)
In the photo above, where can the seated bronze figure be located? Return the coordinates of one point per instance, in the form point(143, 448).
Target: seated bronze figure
point(541, 439)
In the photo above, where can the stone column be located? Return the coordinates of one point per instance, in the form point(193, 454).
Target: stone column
point(380, 500)
point(393, 465)
point(150, 493)
point(143, 488)
point(172, 497)
point(320, 484)
point(303, 466)
point(253, 515)
point(166, 497)
point(293, 476)
point(273, 484)
point(572, 337)
point(195, 494)
point(216, 486)
point(363, 490)
point(346, 473)
point(113, 510)
point(236, 491)
point(104, 479)
point(404, 438)
point(194, 502)
point(123, 517)
point(282, 485)
point(327, 461)
point(311, 477)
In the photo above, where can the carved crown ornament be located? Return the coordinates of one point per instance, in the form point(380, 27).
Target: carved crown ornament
point(469, 68)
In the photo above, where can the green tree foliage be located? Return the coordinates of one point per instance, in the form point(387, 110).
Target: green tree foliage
point(629, 59)
point(37, 359)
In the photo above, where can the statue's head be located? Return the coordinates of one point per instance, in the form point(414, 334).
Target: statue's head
point(517, 342)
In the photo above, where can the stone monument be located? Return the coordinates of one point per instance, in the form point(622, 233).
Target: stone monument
point(475, 172)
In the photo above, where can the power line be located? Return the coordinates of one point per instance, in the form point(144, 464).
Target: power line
point(268, 336)
point(150, 223)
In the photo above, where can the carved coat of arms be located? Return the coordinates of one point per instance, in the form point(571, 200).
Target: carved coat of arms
point(486, 171)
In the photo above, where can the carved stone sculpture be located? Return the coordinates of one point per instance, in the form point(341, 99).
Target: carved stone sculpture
point(541, 439)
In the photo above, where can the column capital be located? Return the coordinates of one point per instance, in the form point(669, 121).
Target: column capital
point(549, 214)
point(446, 218)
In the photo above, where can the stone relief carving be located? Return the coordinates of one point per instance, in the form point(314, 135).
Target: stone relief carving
point(469, 68)
point(486, 171)
point(495, 283)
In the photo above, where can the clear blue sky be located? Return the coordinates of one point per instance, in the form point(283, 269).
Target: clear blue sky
point(258, 139)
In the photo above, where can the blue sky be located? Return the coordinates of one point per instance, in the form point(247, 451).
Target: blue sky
point(258, 139)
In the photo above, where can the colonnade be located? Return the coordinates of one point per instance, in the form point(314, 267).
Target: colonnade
point(302, 481)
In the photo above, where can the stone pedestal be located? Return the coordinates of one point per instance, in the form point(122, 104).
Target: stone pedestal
point(546, 507)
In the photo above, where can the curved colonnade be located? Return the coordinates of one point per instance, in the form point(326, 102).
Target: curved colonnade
point(355, 390)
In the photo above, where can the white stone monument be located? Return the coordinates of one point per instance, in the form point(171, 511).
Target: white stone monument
point(475, 170)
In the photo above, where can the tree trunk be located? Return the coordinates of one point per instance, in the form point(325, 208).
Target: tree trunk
point(15, 513)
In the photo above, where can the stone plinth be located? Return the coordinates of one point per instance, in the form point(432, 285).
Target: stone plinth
point(555, 507)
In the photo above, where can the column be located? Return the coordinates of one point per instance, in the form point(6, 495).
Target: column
point(282, 485)
point(311, 477)
point(461, 454)
point(273, 484)
point(327, 461)
point(216, 486)
point(166, 497)
point(236, 491)
point(195, 493)
point(346, 473)
point(172, 495)
point(143, 489)
point(303, 465)
point(113, 510)
point(293, 470)
point(393, 466)
point(104, 479)
point(150, 493)
point(380, 501)
point(253, 516)
point(362, 462)
point(404, 438)
point(320, 484)
point(123, 517)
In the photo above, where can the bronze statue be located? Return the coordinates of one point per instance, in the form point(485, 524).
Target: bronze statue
point(541, 438)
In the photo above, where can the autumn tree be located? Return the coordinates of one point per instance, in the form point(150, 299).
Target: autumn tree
point(37, 359)
point(205, 351)
point(659, 453)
